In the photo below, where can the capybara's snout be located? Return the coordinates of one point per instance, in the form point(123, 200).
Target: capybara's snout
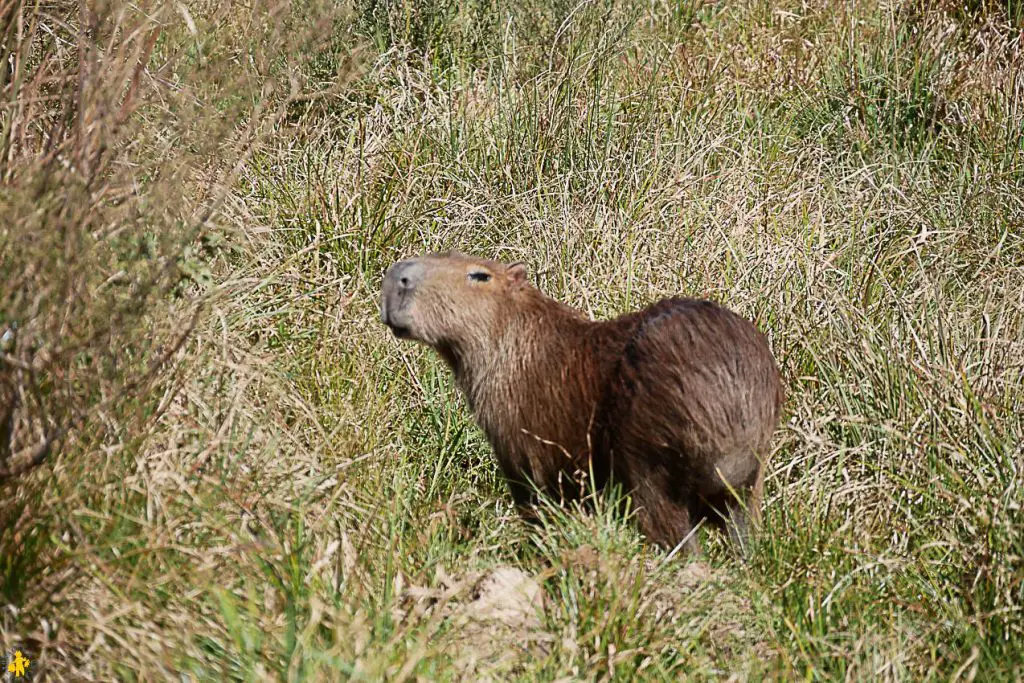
point(397, 293)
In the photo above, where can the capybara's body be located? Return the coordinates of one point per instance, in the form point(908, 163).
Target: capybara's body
point(677, 402)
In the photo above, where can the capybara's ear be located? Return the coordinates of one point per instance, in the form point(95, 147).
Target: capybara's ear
point(517, 272)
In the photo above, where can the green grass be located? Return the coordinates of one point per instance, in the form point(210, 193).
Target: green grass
point(849, 177)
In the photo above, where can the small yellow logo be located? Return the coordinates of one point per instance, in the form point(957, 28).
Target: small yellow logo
point(18, 665)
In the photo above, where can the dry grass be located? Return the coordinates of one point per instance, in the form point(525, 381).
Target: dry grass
point(288, 492)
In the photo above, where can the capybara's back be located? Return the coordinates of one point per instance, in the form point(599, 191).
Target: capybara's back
point(688, 417)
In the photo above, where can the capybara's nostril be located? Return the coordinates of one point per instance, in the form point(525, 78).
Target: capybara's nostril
point(405, 275)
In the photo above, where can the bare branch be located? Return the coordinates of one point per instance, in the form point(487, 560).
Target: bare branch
point(29, 458)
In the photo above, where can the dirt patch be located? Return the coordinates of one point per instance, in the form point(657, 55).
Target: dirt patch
point(507, 595)
point(486, 621)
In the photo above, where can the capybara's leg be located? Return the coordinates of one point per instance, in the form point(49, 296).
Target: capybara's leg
point(664, 522)
point(524, 498)
point(745, 514)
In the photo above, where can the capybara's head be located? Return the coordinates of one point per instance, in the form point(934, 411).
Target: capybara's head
point(449, 299)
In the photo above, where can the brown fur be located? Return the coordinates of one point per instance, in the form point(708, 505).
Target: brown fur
point(676, 402)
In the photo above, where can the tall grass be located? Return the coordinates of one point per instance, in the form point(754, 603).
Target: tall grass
point(273, 487)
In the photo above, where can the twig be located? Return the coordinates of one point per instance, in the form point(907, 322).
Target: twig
point(30, 458)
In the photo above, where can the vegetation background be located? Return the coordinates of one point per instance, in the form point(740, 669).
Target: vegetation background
point(216, 464)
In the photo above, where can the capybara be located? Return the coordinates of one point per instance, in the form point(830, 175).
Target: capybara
point(677, 402)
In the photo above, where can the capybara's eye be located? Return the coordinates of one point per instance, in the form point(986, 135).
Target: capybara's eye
point(479, 276)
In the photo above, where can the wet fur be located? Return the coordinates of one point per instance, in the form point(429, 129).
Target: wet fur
point(676, 402)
